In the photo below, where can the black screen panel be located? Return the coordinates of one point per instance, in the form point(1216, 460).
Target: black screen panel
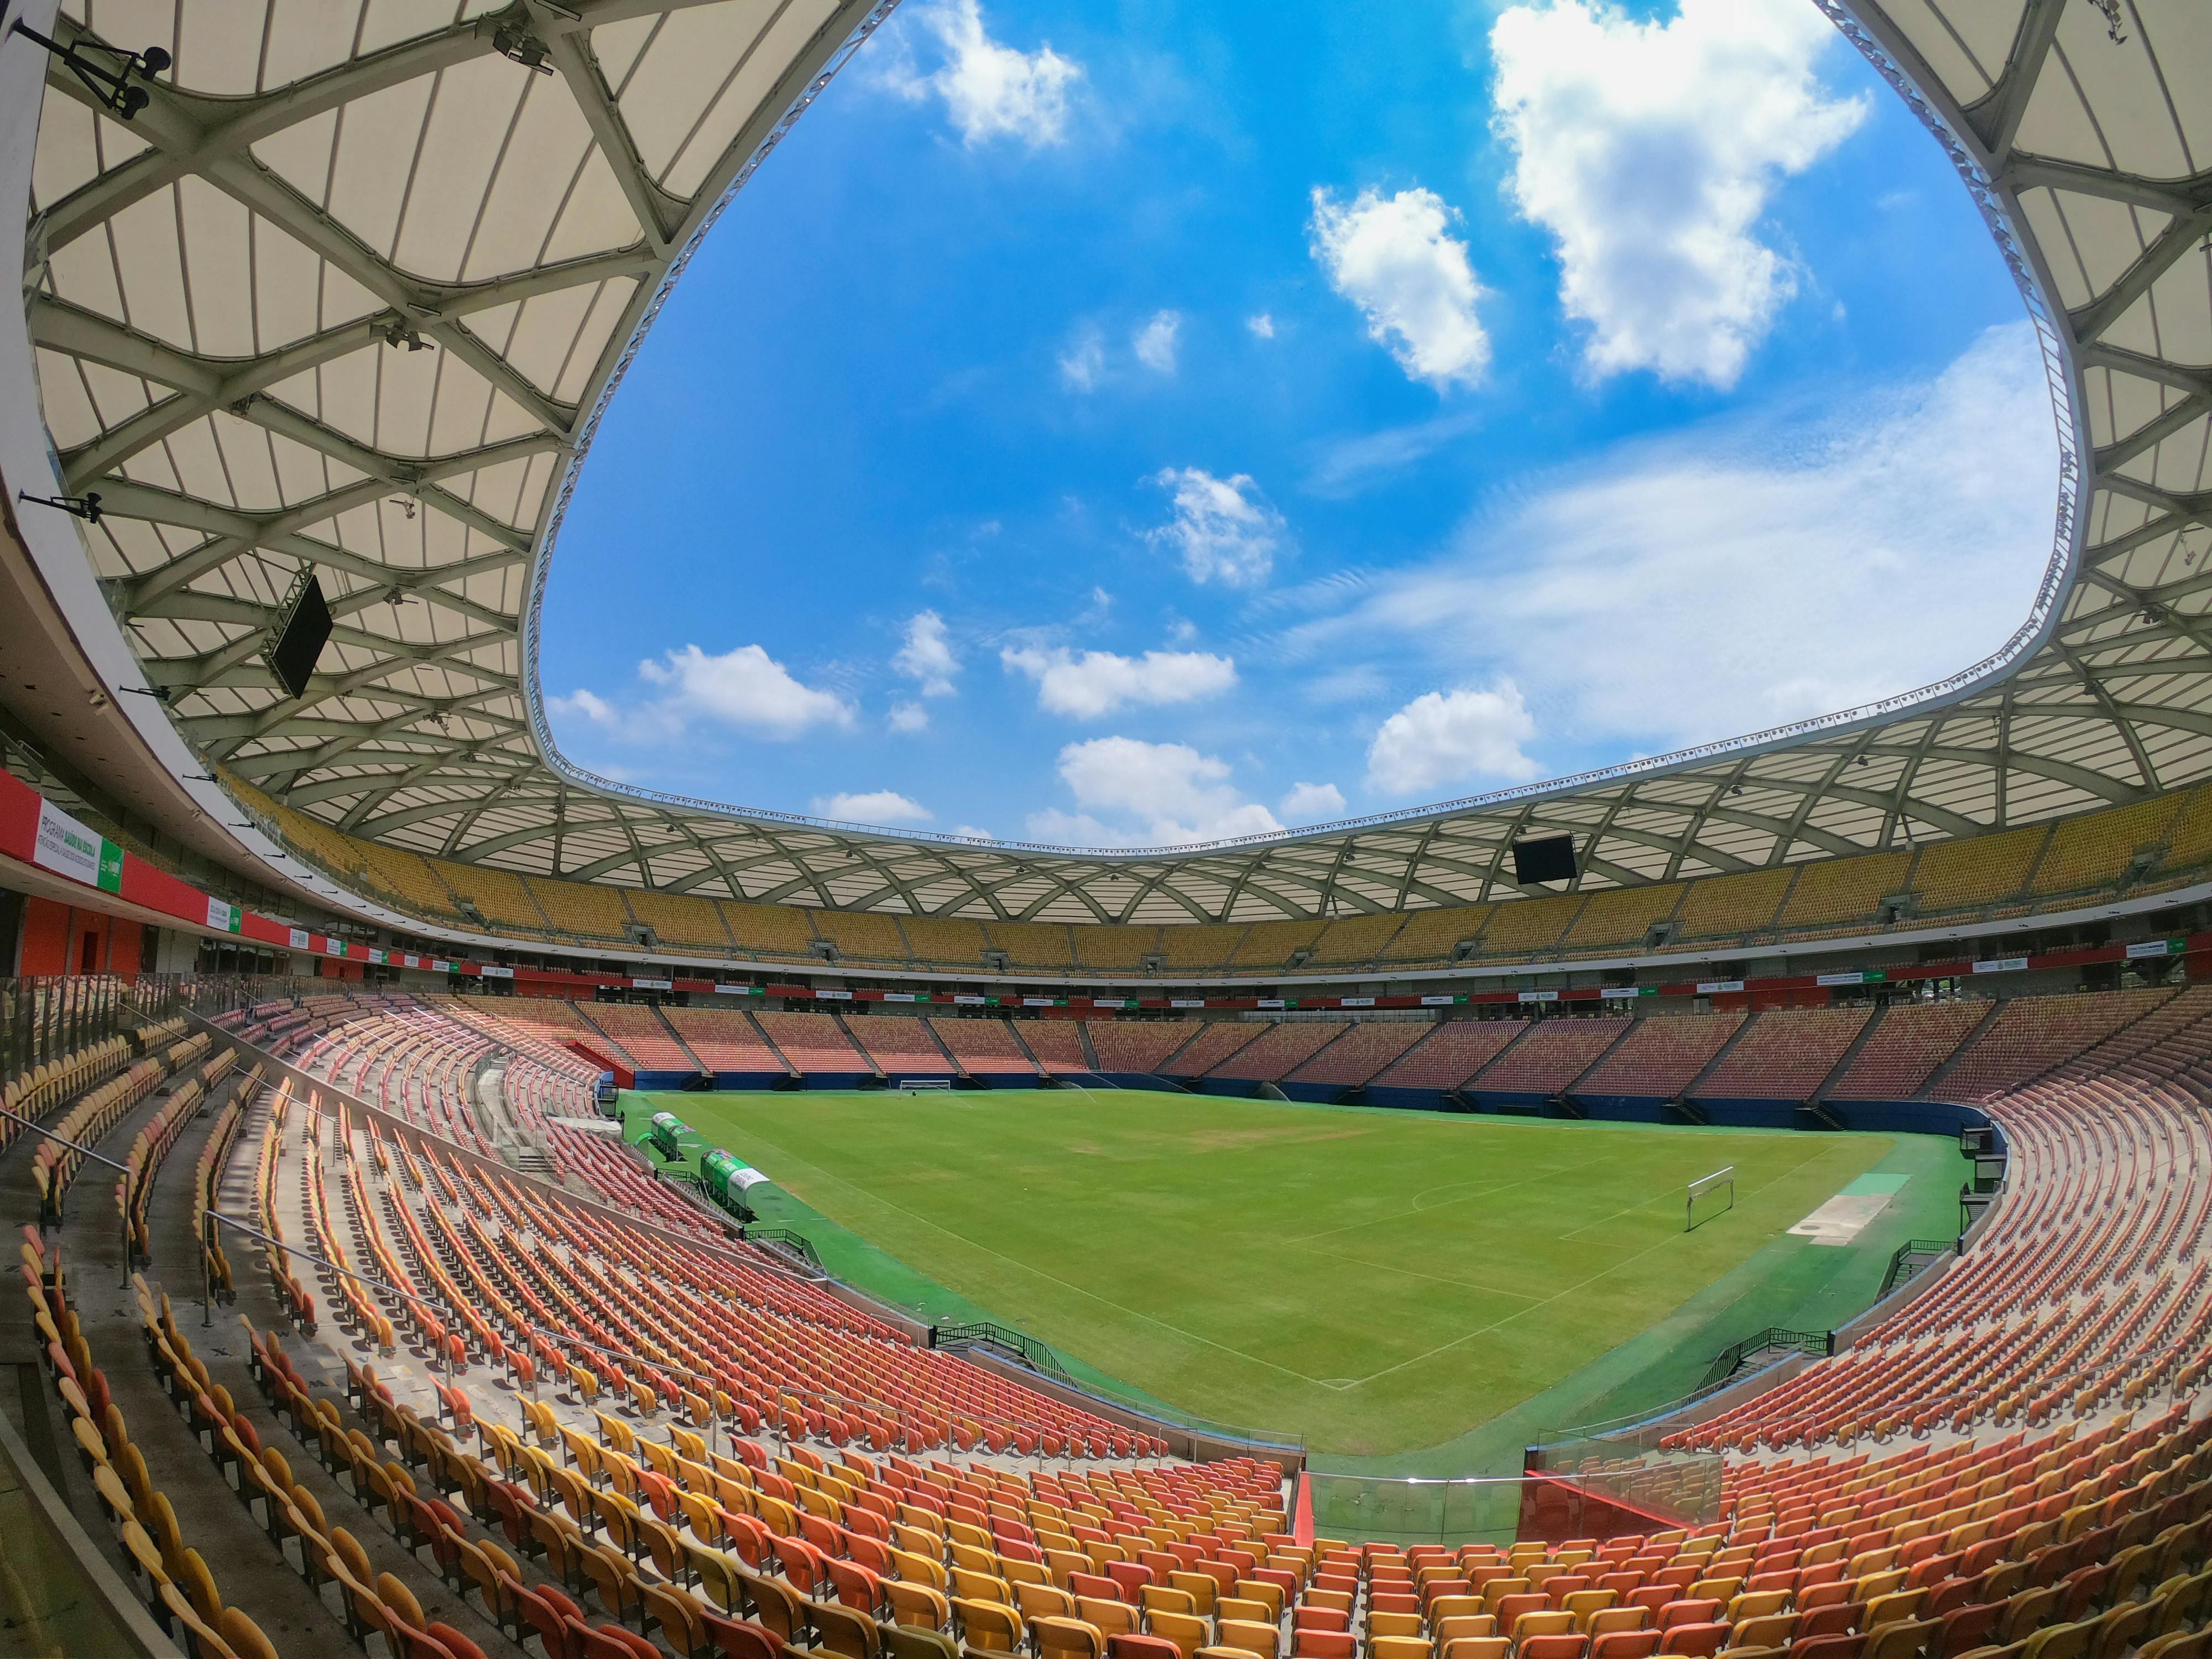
point(300, 639)
point(1548, 858)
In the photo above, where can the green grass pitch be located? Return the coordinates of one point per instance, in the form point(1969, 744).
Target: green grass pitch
point(1378, 1282)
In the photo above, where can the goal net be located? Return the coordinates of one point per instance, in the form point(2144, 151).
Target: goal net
point(1708, 1196)
point(914, 1086)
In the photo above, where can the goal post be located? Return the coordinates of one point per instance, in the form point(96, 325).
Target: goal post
point(1708, 1196)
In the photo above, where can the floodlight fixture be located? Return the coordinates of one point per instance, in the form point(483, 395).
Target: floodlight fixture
point(113, 87)
point(86, 507)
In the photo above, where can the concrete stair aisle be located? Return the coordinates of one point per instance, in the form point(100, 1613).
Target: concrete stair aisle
point(248, 1569)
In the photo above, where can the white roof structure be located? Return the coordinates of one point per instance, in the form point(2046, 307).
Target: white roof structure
point(351, 290)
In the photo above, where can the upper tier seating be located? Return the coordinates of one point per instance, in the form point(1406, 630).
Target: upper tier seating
point(724, 1039)
point(859, 937)
point(1662, 1057)
point(581, 910)
point(1957, 875)
point(2152, 845)
point(1910, 1042)
point(1111, 948)
point(814, 1042)
point(1786, 1054)
point(984, 1047)
point(1453, 1053)
point(1727, 906)
point(1623, 916)
point(1552, 1055)
point(1280, 1051)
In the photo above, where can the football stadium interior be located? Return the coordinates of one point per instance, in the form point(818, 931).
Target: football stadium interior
point(561, 1218)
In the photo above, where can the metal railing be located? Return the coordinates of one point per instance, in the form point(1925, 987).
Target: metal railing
point(1817, 1343)
point(985, 1333)
point(45, 1018)
point(1910, 1258)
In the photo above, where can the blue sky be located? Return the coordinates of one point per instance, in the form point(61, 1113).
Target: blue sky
point(1124, 425)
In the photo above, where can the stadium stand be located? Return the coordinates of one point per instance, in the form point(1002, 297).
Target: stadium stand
point(1216, 1041)
point(814, 1042)
point(1787, 1053)
point(1438, 935)
point(681, 923)
point(1910, 1042)
point(1057, 1044)
point(1107, 948)
point(1032, 944)
point(901, 1045)
point(1202, 946)
point(1843, 895)
point(1367, 1048)
point(1623, 915)
point(1452, 1053)
point(1279, 1051)
point(640, 1031)
point(1980, 871)
point(1662, 1056)
point(2032, 1035)
point(984, 1047)
point(724, 1039)
point(946, 943)
point(577, 909)
point(1552, 1055)
point(1722, 907)
point(2095, 851)
point(1530, 927)
point(777, 932)
point(1135, 1046)
point(1270, 944)
point(1354, 941)
point(860, 937)
point(2141, 848)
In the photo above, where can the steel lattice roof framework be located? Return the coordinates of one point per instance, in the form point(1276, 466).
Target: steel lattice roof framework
point(352, 291)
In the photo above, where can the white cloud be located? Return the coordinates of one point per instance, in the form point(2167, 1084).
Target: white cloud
point(1262, 324)
point(1649, 150)
point(589, 704)
point(878, 806)
point(926, 659)
point(1450, 737)
point(1089, 683)
point(1156, 342)
point(1801, 565)
point(1345, 466)
point(746, 688)
point(1168, 792)
point(990, 90)
point(908, 717)
point(1083, 361)
point(1395, 258)
point(1222, 528)
point(1312, 802)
